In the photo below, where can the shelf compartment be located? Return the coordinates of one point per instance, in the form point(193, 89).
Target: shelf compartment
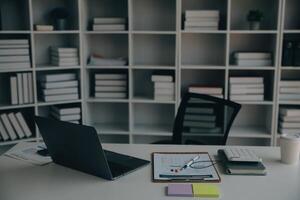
point(248, 43)
point(43, 42)
point(14, 15)
point(154, 15)
point(107, 45)
point(45, 7)
point(153, 119)
point(108, 117)
point(291, 11)
point(248, 141)
point(103, 8)
point(207, 5)
point(295, 39)
point(197, 49)
point(154, 50)
point(240, 9)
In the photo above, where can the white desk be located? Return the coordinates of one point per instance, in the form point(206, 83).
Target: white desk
point(21, 181)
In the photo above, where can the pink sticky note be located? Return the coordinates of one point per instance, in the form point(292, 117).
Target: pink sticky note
point(183, 190)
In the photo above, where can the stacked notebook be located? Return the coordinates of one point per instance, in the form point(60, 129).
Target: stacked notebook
point(253, 59)
point(201, 20)
point(63, 56)
point(58, 87)
point(66, 113)
point(14, 54)
point(289, 120)
point(289, 90)
point(110, 86)
point(21, 89)
point(13, 126)
point(109, 24)
point(246, 88)
point(209, 90)
point(164, 86)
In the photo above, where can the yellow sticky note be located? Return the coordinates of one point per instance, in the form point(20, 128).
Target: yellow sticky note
point(205, 190)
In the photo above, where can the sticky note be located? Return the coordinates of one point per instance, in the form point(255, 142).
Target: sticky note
point(182, 190)
point(205, 190)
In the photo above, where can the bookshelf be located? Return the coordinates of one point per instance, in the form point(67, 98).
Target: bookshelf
point(155, 39)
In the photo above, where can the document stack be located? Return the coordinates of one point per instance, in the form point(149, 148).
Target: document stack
point(14, 54)
point(21, 89)
point(66, 113)
point(63, 56)
point(253, 59)
point(209, 90)
point(246, 88)
point(164, 86)
point(109, 24)
point(111, 86)
point(201, 20)
point(289, 90)
point(59, 87)
point(289, 120)
point(13, 126)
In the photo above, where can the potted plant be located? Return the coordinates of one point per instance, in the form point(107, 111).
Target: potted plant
point(254, 18)
point(59, 17)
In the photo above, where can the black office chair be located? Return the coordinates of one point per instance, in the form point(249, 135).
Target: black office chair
point(202, 119)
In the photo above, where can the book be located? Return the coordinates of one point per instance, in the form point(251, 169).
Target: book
point(284, 118)
point(8, 126)
point(7, 59)
point(252, 62)
point(287, 97)
point(110, 94)
point(289, 83)
point(13, 90)
point(15, 65)
point(110, 89)
point(3, 132)
point(14, 46)
point(20, 88)
point(199, 124)
point(206, 28)
point(69, 117)
point(108, 27)
point(253, 55)
point(65, 97)
point(248, 97)
point(58, 77)
point(163, 97)
point(109, 20)
point(64, 49)
point(55, 59)
point(201, 23)
point(206, 118)
point(289, 90)
point(110, 76)
point(64, 55)
point(64, 64)
point(205, 90)
point(252, 80)
point(59, 84)
point(167, 85)
point(161, 78)
point(65, 110)
point(288, 130)
point(69, 90)
point(289, 112)
point(25, 88)
point(202, 19)
point(14, 42)
point(241, 86)
point(247, 91)
point(164, 91)
point(15, 124)
point(30, 88)
point(13, 52)
point(111, 83)
point(202, 13)
point(44, 27)
point(293, 125)
point(196, 110)
point(23, 124)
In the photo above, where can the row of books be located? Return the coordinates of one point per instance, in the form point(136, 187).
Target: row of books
point(246, 88)
point(64, 56)
point(13, 126)
point(289, 90)
point(289, 120)
point(109, 24)
point(14, 54)
point(21, 89)
point(291, 53)
point(201, 20)
point(252, 58)
point(58, 87)
point(164, 86)
point(66, 113)
point(212, 91)
point(110, 85)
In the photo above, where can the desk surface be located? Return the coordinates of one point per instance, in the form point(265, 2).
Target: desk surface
point(21, 181)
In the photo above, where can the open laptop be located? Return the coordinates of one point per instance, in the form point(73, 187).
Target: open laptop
point(78, 147)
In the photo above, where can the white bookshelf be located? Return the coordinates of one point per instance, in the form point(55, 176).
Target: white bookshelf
point(155, 40)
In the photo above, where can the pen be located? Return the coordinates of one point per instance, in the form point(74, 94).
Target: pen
point(189, 163)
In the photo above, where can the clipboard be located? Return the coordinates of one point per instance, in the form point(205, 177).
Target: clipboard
point(164, 165)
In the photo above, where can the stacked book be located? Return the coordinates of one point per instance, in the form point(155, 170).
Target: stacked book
point(289, 90)
point(58, 87)
point(164, 86)
point(289, 120)
point(201, 20)
point(14, 54)
point(13, 126)
point(109, 24)
point(21, 89)
point(63, 56)
point(209, 90)
point(66, 113)
point(253, 59)
point(110, 85)
point(246, 88)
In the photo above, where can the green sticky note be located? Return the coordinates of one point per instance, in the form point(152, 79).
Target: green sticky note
point(205, 190)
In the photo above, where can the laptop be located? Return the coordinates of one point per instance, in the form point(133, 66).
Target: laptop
point(78, 147)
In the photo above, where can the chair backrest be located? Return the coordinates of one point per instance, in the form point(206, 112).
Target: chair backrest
point(204, 119)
